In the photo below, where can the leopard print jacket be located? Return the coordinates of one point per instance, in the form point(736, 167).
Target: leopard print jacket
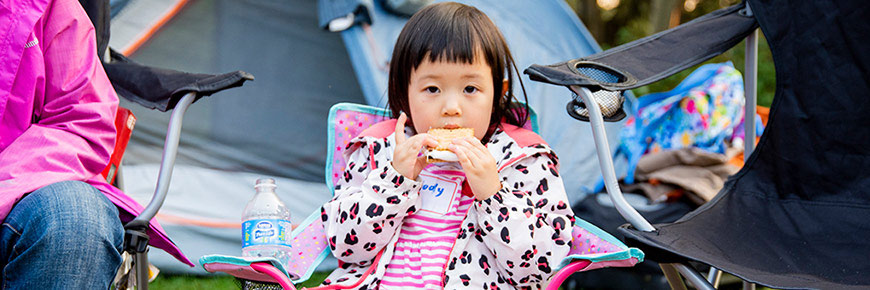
point(514, 239)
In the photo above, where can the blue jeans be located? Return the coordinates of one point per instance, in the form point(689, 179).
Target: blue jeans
point(66, 235)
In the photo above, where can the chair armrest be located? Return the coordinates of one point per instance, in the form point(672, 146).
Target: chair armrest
point(654, 57)
point(161, 89)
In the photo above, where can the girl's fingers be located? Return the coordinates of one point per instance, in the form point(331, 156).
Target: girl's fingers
point(473, 148)
point(420, 140)
point(400, 129)
point(467, 156)
point(428, 140)
point(477, 147)
point(461, 155)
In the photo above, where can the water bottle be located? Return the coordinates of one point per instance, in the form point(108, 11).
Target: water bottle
point(266, 224)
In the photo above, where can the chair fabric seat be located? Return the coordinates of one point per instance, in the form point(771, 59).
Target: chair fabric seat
point(826, 248)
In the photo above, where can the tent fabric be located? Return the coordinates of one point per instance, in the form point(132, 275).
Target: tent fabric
point(522, 23)
point(276, 125)
point(328, 10)
point(272, 127)
point(796, 215)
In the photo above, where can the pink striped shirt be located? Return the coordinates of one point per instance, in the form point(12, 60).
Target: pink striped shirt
point(424, 245)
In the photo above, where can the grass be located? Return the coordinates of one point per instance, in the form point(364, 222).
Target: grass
point(217, 282)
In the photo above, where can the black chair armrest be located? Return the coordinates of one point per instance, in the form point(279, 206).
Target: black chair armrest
point(160, 89)
point(654, 57)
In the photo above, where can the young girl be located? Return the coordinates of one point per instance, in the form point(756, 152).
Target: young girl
point(496, 219)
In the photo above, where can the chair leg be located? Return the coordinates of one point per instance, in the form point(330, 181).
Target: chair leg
point(673, 277)
point(140, 262)
point(714, 277)
point(693, 277)
point(748, 285)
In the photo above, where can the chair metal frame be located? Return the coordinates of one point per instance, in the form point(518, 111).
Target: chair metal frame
point(135, 237)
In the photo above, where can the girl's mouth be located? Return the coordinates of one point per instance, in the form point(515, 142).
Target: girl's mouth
point(451, 126)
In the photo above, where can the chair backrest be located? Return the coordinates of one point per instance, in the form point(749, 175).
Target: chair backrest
point(346, 121)
point(817, 143)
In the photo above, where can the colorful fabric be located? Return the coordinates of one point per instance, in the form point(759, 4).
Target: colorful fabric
point(57, 106)
point(705, 111)
point(515, 239)
point(427, 236)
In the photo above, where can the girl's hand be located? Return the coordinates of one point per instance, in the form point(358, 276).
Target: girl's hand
point(479, 166)
point(407, 159)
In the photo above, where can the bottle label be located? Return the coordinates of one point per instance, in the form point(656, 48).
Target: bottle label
point(266, 232)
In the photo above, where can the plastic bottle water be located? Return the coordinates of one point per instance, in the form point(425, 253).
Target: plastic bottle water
point(266, 224)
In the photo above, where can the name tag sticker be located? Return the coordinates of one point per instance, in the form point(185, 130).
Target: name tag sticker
point(437, 193)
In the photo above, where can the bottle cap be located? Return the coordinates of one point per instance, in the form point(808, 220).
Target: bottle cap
point(264, 183)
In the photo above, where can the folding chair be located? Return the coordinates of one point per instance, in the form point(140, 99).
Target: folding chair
point(158, 89)
point(592, 248)
point(163, 90)
point(796, 215)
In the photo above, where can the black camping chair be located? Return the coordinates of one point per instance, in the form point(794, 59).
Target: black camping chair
point(797, 215)
point(157, 89)
point(164, 90)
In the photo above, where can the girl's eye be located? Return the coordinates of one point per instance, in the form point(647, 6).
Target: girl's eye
point(470, 90)
point(432, 90)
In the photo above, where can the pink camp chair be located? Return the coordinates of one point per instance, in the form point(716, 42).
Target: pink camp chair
point(592, 248)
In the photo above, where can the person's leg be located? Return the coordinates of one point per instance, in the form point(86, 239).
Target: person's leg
point(66, 235)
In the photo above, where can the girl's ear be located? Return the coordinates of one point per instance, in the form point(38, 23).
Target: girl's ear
point(504, 86)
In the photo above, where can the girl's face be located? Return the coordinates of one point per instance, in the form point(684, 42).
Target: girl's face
point(451, 95)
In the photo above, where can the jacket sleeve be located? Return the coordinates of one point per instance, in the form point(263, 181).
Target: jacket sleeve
point(72, 132)
point(371, 199)
point(527, 224)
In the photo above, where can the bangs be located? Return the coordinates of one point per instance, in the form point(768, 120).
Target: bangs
point(456, 37)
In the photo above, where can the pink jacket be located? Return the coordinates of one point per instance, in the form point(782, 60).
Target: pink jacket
point(57, 106)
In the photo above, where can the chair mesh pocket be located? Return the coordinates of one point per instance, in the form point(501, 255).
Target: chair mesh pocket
point(598, 74)
point(610, 103)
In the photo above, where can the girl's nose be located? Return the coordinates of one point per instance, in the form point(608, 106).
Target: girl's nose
point(451, 108)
